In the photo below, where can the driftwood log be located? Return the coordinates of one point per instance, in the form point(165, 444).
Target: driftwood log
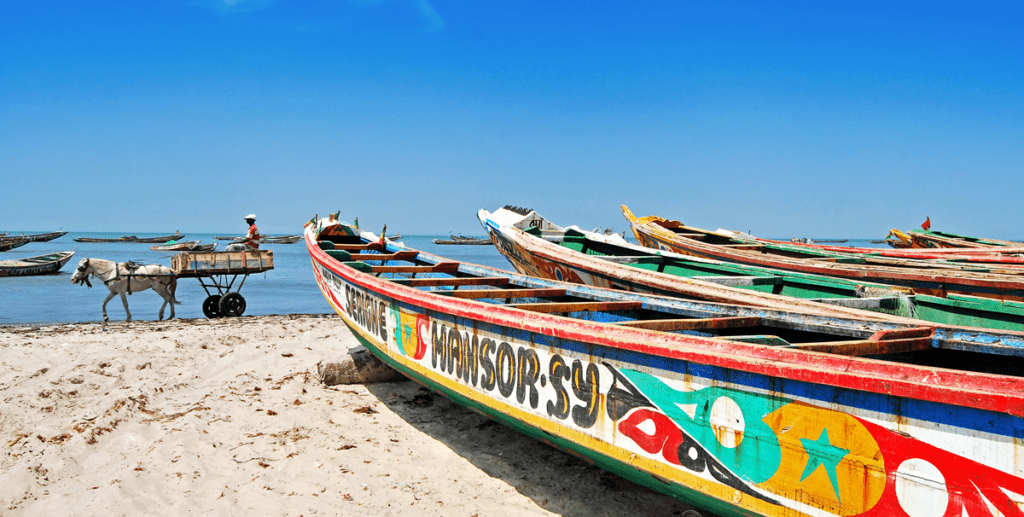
point(358, 367)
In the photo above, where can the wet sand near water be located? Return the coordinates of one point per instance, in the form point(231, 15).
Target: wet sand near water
point(226, 417)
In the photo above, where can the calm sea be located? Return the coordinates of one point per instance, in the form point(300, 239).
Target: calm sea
point(287, 289)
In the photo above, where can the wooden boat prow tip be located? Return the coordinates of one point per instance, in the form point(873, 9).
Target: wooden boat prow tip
point(734, 427)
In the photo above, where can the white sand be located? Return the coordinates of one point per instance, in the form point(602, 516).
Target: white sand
point(225, 417)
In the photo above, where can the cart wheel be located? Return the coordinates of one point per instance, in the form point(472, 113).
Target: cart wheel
point(232, 304)
point(211, 306)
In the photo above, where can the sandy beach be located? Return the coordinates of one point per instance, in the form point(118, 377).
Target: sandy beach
point(227, 417)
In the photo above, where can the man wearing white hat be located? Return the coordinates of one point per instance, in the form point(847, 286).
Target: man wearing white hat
point(252, 239)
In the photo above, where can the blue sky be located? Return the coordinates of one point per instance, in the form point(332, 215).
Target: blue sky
point(785, 119)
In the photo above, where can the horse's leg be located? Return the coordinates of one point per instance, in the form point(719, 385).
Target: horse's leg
point(109, 297)
point(124, 300)
point(159, 288)
point(169, 289)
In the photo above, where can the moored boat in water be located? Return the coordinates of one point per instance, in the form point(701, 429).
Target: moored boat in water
point(463, 240)
point(175, 246)
point(740, 410)
point(44, 237)
point(608, 261)
point(38, 265)
point(10, 243)
point(132, 238)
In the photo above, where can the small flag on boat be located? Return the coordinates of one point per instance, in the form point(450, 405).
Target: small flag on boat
point(927, 223)
point(356, 223)
point(311, 221)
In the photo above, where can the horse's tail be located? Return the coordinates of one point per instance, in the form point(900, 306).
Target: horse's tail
point(173, 287)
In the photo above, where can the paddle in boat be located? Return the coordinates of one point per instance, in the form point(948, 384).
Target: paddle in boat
point(739, 410)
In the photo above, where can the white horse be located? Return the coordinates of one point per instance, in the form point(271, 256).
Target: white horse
point(128, 277)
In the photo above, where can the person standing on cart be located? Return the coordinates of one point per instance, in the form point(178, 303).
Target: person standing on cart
point(252, 238)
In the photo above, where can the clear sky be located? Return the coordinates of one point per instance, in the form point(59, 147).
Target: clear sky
point(818, 119)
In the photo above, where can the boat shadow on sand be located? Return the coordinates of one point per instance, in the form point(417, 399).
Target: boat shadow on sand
point(558, 482)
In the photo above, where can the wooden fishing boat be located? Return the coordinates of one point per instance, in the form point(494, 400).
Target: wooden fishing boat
point(132, 238)
point(739, 410)
point(1000, 256)
point(281, 239)
point(805, 240)
point(204, 247)
point(934, 239)
point(177, 246)
point(45, 237)
point(608, 261)
point(463, 240)
point(937, 278)
point(38, 265)
point(9, 243)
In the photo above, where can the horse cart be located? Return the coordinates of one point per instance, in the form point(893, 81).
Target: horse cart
point(218, 271)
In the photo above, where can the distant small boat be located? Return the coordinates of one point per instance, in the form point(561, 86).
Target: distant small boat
point(177, 246)
point(266, 239)
point(132, 238)
point(805, 240)
point(205, 247)
point(463, 240)
point(9, 243)
point(39, 265)
point(282, 239)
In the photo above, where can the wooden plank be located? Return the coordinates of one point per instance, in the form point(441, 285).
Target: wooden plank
point(868, 347)
point(444, 267)
point(401, 255)
point(566, 307)
point(544, 292)
point(885, 335)
point(670, 325)
point(454, 282)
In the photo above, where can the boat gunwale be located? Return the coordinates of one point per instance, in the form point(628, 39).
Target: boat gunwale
point(995, 281)
point(990, 392)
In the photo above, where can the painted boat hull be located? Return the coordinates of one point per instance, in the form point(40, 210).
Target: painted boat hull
point(936, 279)
point(40, 265)
point(680, 277)
point(736, 429)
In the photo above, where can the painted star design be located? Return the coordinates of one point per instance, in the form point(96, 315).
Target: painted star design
point(821, 453)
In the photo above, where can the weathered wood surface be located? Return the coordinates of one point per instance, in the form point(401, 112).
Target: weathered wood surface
point(222, 263)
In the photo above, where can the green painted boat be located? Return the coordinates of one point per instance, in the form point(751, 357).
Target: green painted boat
point(571, 257)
